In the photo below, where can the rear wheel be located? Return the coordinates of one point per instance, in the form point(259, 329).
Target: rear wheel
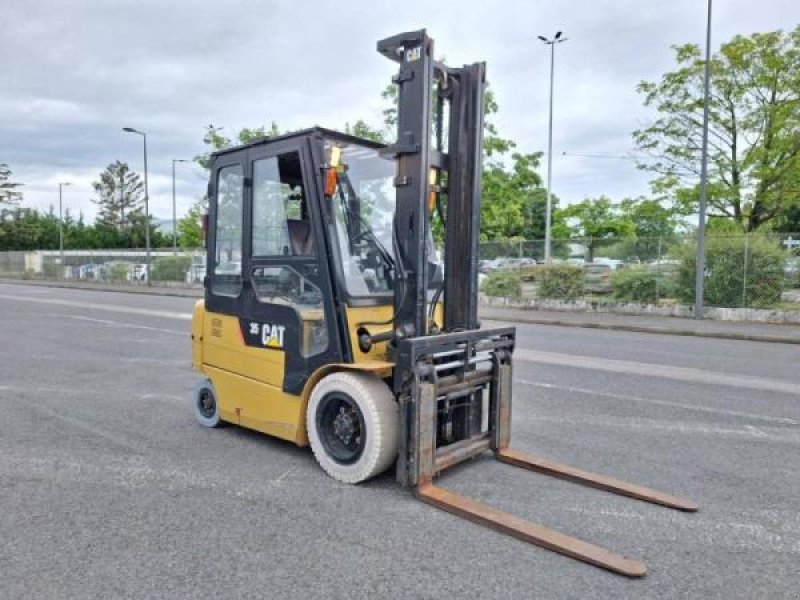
point(204, 401)
point(352, 426)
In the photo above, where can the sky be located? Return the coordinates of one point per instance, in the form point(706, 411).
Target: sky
point(73, 73)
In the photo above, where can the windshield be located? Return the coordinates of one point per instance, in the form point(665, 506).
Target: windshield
point(363, 209)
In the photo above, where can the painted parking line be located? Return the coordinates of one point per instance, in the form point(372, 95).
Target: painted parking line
point(630, 367)
point(131, 310)
point(641, 399)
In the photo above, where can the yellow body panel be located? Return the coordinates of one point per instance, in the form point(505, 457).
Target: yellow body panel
point(224, 348)
point(361, 314)
point(248, 381)
point(377, 314)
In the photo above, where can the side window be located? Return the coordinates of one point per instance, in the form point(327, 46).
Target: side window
point(227, 276)
point(281, 222)
point(284, 285)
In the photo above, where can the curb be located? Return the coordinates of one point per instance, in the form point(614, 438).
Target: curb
point(724, 335)
point(198, 293)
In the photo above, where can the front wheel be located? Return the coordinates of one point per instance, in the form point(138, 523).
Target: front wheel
point(352, 426)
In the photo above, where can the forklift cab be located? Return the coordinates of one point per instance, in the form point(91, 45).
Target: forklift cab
point(301, 251)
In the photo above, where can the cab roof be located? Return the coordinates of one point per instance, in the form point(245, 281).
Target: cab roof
point(311, 131)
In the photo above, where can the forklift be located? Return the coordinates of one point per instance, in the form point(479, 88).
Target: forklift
point(329, 319)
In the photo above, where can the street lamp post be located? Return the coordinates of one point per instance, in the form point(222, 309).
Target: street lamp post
point(146, 199)
point(700, 261)
point(174, 212)
point(61, 186)
point(557, 39)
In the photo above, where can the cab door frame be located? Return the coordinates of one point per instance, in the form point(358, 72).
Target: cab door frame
point(247, 307)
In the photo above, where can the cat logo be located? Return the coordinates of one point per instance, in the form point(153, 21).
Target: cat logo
point(272, 335)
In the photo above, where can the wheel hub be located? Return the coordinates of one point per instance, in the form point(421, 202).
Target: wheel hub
point(345, 425)
point(207, 404)
point(341, 426)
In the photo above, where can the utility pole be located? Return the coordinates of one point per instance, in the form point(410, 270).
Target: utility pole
point(699, 280)
point(557, 39)
point(61, 186)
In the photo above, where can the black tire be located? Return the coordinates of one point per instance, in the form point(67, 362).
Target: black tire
point(352, 422)
point(204, 404)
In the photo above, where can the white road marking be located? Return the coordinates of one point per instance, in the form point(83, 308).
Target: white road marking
point(128, 325)
point(630, 367)
point(132, 310)
point(707, 409)
point(771, 434)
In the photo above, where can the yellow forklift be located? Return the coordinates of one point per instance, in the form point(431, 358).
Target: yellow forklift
point(330, 319)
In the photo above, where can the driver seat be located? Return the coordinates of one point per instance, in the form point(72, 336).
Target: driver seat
point(301, 237)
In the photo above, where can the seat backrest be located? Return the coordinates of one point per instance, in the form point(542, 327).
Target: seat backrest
point(300, 237)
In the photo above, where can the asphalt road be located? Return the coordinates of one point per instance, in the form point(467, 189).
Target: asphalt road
point(108, 487)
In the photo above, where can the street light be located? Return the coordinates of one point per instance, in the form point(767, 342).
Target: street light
point(700, 261)
point(61, 186)
point(146, 198)
point(174, 213)
point(557, 39)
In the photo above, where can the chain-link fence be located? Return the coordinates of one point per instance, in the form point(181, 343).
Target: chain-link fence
point(741, 271)
point(123, 267)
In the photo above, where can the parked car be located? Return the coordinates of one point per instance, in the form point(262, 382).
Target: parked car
point(516, 263)
point(196, 273)
point(91, 271)
point(613, 263)
point(138, 273)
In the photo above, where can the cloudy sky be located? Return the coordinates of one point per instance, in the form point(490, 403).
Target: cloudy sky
point(73, 73)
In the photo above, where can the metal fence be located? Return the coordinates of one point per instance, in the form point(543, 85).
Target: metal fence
point(742, 271)
point(120, 267)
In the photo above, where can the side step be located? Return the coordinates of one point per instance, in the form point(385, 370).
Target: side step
point(527, 531)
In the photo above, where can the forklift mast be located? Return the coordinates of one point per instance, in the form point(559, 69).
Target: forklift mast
point(453, 385)
point(426, 172)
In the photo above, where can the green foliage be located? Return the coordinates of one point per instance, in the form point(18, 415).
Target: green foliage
point(560, 281)
point(29, 229)
point(120, 196)
point(9, 194)
point(739, 272)
point(653, 228)
point(504, 284)
point(118, 271)
point(190, 227)
point(641, 284)
point(754, 127)
point(598, 221)
point(361, 129)
point(513, 201)
point(170, 268)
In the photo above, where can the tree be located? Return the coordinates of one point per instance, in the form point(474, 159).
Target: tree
point(361, 129)
point(190, 226)
point(120, 197)
point(653, 227)
point(9, 194)
point(596, 222)
point(513, 201)
point(754, 128)
point(217, 141)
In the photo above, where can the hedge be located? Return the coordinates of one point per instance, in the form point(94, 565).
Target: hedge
point(504, 284)
point(170, 268)
point(732, 281)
